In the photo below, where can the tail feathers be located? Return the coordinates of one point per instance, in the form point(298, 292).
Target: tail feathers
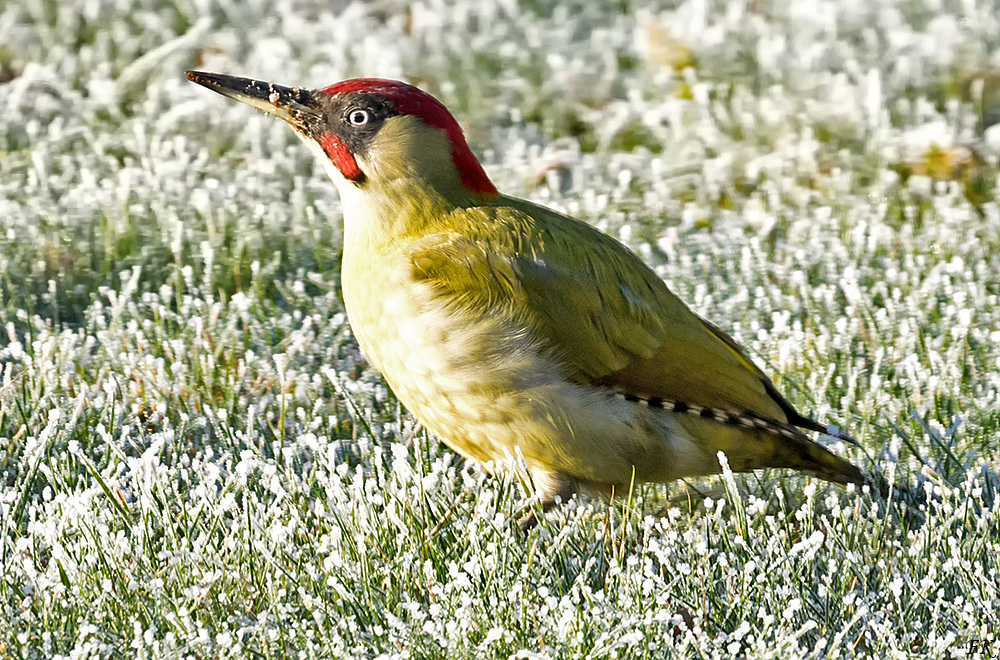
point(812, 458)
point(755, 442)
point(804, 454)
point(784, 446)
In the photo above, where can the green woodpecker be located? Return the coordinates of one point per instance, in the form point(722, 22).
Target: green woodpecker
point(523, 338)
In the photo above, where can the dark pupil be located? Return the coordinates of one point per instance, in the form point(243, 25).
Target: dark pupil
point(358, 117)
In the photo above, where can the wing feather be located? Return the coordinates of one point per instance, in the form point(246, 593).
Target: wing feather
point(595, 305)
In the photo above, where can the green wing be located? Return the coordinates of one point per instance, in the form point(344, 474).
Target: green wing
point(595, 305)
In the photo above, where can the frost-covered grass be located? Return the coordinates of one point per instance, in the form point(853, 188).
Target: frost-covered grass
point(197, 462)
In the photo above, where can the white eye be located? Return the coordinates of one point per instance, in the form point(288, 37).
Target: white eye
point(358, 117)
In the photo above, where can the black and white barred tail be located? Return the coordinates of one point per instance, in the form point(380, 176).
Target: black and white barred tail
point(745, 419)
point(802, 453)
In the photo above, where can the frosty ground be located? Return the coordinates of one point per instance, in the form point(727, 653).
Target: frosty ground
point(196, 460)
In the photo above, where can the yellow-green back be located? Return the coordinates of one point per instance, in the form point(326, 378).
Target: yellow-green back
point(607, 316)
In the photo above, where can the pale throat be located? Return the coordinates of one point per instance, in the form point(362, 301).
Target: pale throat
point(387, 208)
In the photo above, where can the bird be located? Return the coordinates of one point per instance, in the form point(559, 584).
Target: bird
point(526, 340)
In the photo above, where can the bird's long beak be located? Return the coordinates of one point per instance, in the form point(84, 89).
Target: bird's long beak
point(293, 104)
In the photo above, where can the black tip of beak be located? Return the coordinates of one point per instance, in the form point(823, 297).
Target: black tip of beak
point(275, 99)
